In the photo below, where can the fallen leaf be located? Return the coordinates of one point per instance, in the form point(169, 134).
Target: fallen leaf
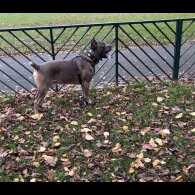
point(106, 134)
point(139, 164)
point(131, 155)
point(178, 178)
point(193, 130)
point(51, 174)
point(131, 170)
point(164, 132)
point(27, 132)
point(86, 130)
point(185, 170)
point(33, 180)
point(118, 113)
point(50, 160)
point(16, 137)
point(162, 162)
point(154, 104)
point(106, 141)
point(64, 159)
point(192, 113)
point(20, 118)
point(37, 116)
point(57, 144)
point(42, 149)
point(74, 123)
point(56, 138)
point(140, 156)
point(159, 99)
point(16, 179)
point(92, 120)
point(89, 114)
point(125, 128)
point(145, 130)
point(71, 173)
point(147, 160)
point(159, 141)
point(36, 164)
point(155, 163)
point(179, 116)
point(88, 137)
point(87, 153)
point(152, 143)
point(117, 148)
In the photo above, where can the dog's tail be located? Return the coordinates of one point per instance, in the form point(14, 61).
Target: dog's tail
point(35, 66)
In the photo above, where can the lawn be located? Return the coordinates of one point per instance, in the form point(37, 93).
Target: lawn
point(141, 132)
point(17, 20)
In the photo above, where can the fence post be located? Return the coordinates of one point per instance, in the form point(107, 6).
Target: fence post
point(178, 36)
point(52, 49)
point(116, 54)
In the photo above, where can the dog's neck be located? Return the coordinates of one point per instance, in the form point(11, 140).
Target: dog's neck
point(89, 54)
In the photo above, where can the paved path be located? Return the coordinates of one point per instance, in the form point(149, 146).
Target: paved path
point(134, 71)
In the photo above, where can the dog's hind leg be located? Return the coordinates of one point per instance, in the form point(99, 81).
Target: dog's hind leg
point(40, 96)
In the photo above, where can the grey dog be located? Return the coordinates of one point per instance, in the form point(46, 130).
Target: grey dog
point(79, 70)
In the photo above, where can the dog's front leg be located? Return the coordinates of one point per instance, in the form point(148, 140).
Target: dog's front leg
point(85, 89)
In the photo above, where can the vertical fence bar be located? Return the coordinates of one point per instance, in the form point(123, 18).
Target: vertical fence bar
point(116, 53)
point(178, 36)
point(52, 49)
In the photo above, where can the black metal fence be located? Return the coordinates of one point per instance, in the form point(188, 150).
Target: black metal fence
point(162, 49)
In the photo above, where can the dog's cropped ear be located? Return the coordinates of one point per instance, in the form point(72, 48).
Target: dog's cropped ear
point(93, 44)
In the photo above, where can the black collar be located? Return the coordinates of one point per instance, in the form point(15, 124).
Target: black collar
point(88, 55)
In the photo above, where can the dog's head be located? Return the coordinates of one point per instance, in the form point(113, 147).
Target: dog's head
point(100, 49)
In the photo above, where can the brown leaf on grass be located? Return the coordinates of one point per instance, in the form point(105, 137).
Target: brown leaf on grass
point(51, 174)
point(33, 180)
point(131, 155)
point(147, 147)
point(36, 164)
point(139, 164)
point(145, 130)
point(164, 132)
point(89, 114)
point(125, 128)
point(178, 178)
point(155, 163)
point(152, 143)
point(88, 137)
point(74, 123)
point(37, 116)
point(87, 153)
point(42, 149)
point(131, 170)
point(159, 99)
point(179, 116)
point(106, 134)
point(50, 160)
point(56, 138)
point(117, 148)
point(92, 120)
point(159, 141)
point(86, 130)
point(192, 113)
point(140, 155)
point(154, 104)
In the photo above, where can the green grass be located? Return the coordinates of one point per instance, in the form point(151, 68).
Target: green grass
point(17, 20)
point(112, 111)
point(44, 19)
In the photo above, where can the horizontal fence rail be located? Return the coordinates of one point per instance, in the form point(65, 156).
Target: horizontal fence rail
point(142, 50)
